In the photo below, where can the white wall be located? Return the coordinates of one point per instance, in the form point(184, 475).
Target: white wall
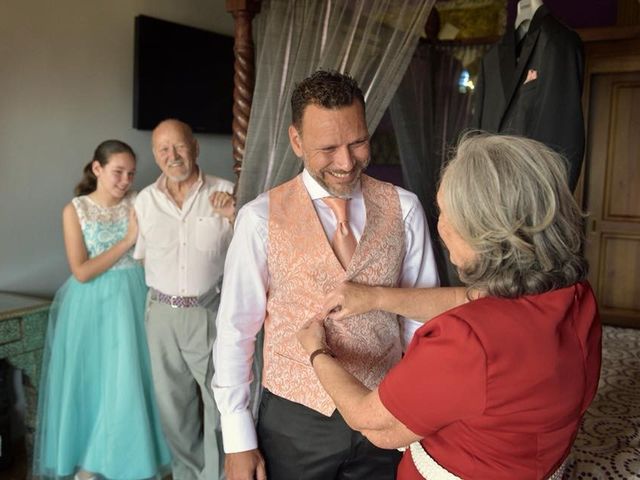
point(66, 84)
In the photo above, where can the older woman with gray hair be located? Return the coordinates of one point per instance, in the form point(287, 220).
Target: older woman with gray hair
point(494, 385)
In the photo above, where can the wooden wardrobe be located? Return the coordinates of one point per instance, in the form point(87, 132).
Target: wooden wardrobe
point(610, 187)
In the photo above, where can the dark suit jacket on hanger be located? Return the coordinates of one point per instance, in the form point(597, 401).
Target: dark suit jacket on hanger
point(539, 94)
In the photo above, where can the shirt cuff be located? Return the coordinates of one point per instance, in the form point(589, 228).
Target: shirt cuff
point(409, 327)
point(238, 432)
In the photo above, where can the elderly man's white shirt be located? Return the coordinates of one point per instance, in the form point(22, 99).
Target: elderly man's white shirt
point(184, 249)
point(244, 296)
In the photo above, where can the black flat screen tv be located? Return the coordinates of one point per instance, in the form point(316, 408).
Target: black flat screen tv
point(182, 72)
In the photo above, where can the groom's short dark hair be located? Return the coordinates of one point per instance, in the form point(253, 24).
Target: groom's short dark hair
point(325, 88)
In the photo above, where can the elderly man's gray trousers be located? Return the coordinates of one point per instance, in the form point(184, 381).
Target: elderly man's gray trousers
point(180, 342)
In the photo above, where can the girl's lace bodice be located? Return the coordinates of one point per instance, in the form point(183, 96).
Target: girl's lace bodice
point(103, 227)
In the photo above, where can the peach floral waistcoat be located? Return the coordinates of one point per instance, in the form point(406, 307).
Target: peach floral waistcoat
point(303, 268)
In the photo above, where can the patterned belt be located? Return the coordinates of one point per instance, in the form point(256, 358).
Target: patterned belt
point(175, 301)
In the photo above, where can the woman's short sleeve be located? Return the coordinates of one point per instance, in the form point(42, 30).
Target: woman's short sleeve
point(441, 379)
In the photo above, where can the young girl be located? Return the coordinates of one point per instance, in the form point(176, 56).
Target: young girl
point(97, 414)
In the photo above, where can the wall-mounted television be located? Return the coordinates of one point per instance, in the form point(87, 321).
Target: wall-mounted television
point(182, 72)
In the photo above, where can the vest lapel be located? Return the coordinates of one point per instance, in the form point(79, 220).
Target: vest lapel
point(530, 41)
point(507, 63)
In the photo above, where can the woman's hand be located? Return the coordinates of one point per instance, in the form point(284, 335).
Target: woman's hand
point(349, 299)
point(132, 229)
point(312, 335)
point(223, 204)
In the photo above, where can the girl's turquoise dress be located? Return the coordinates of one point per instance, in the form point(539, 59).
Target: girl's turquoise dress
point(96, 408)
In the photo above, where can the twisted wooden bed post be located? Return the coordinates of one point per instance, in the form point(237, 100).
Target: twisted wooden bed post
point(243, 12)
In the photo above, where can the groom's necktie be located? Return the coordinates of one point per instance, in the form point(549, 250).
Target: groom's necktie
point(343, 241)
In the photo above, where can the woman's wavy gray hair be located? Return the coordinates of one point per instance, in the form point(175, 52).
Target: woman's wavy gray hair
point(507, 196)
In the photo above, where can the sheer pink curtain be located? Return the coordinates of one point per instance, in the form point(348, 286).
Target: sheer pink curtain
point(372, 40)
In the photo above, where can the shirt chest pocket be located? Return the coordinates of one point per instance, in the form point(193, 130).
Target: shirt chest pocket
point(210, 234)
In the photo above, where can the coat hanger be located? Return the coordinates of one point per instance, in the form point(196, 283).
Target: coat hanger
point(526, 10)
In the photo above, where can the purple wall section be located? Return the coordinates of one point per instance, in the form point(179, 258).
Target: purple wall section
point(577, 13)
point(386, 173)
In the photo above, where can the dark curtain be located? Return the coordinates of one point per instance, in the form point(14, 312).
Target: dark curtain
point(429, 111)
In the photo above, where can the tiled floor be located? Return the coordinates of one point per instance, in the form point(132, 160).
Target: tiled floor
point(608, 444)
